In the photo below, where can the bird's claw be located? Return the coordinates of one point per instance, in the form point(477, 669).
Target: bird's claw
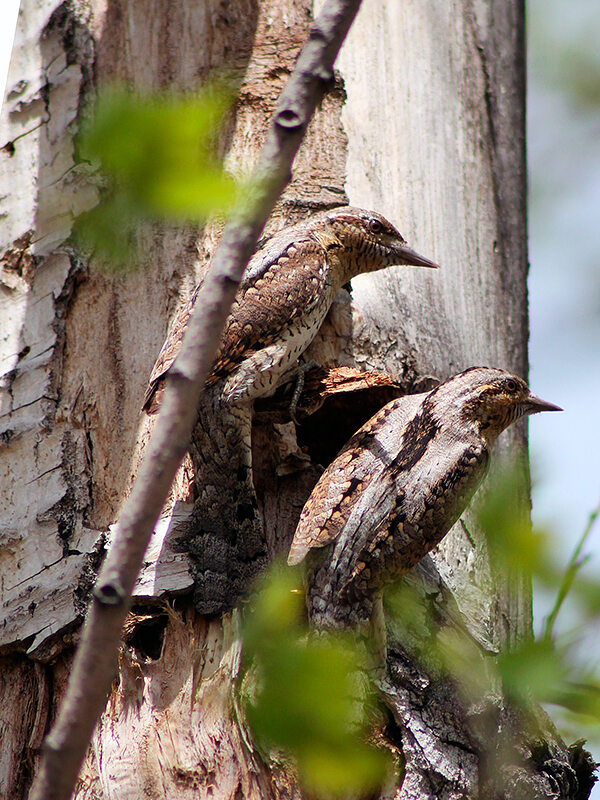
point(302, 368)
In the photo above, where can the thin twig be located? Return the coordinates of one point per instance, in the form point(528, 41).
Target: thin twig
point(573, 567)
point(95, 659)
point(468, 534)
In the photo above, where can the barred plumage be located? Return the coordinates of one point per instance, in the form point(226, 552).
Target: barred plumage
point(398, 487)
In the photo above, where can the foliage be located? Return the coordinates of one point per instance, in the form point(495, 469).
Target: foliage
point(157, 158)
point(544, 669)
point(311, 693)
point(308, 694)
point(574, 565)
point(547, 669)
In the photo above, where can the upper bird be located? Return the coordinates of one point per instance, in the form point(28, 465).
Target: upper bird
point(399, 485)
point(287, 289)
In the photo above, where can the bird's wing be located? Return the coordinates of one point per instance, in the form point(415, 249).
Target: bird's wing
point(283, 280)
point(269, 302)
point(168, 353)
point(357, 488)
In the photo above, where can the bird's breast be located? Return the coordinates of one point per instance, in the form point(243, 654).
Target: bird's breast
point(263, 370)
point(431, 496)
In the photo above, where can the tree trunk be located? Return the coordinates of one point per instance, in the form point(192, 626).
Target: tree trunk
point(425, 123)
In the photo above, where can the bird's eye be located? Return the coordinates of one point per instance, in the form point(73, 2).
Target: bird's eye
point(511, 385)
point(375, 226)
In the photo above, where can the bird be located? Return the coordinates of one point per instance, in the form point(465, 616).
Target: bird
point(285, 294)
point(398, 486)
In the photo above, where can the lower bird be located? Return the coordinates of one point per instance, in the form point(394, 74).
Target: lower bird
point(398, 486)
point(287, 290)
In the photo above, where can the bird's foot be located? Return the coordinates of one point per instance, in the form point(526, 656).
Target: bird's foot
point(301, 369)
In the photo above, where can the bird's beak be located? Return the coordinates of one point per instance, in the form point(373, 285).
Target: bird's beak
point(409, 256)
point(533, 405)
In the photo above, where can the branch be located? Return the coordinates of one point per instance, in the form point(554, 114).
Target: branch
point(95, 660)
point(573, 567)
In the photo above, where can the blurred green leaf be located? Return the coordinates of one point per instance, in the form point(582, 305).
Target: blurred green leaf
point(158, 155)
point(313, 694)
point(161, 149)
point(504, 516)
point(278, 609)
point(569, 33)
point(111, 229)
point(587, 593)
point(410, 615)
point(344, 769)
point(576, 562)
point(580, 698)
point(532, 670)
point(463, 659)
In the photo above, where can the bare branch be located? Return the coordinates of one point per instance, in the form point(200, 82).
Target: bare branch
point(94, 663)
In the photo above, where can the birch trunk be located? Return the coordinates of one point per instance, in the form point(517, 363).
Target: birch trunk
point(425, 123)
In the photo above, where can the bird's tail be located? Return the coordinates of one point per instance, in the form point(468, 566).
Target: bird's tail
point(225, 539)
point(330, 606)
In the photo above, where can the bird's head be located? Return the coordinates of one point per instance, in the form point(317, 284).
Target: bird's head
point(492, 399)
point(368, 241)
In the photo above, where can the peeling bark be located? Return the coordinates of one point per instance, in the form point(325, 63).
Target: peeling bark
point(46, 472)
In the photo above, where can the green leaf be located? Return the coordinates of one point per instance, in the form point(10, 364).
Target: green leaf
point(111, 230)
point(278, 608)
point(503, 513)
point(576, 562)
point(580, 698)
point(341, 771)
point(159, 157)
point(313, 694)
point(534, 669)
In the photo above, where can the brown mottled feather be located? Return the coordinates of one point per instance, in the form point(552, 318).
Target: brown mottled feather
point(270, 297)
point(286, 291)
point(359, 468)
point(403, 481)
point(267, 304)
point(167, 355)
